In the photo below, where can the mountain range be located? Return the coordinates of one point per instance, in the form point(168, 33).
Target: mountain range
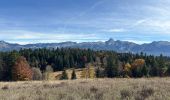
point(155, 48)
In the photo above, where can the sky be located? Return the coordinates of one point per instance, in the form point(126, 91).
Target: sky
point(47, 21)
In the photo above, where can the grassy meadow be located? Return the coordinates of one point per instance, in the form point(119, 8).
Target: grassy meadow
point(86, 89)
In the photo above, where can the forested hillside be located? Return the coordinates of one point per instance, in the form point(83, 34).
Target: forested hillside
point(27, 62)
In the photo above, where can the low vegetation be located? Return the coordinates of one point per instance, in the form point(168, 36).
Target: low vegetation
point(96, 89)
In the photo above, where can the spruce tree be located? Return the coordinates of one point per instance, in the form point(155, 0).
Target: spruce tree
point(144, 70)
point(111, 70)
point(73, 75)
point(97, 72)
point(64, 75)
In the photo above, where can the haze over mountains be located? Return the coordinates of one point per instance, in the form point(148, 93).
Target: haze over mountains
point(155, 48)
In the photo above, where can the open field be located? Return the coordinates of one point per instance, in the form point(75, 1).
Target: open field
point(97, 89)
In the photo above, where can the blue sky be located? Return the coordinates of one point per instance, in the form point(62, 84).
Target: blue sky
point(33, 21)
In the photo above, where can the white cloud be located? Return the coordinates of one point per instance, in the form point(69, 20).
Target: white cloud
point(20, 36)
point(139, 22)
point(137, 41)
point(116, 30)
point(154, 26)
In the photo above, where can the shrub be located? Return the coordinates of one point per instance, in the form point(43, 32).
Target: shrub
point(5, 87)
point(144, 93)
point(125, 94)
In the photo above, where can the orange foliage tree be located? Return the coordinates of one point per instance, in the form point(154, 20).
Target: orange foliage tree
point(21, 70)
point(138, 63)
point(137, 67)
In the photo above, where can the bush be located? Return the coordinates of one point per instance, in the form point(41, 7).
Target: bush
point(125, 94)
point(144, 93)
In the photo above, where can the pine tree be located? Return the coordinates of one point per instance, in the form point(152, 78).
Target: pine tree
point(111, 70)
point(98, 73)
point(144, 71)
point(168, 71)
point(73, 75)
point(154, 68)
point(64, 75)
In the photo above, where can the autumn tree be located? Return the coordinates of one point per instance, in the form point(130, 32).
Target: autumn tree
point(21, 70)
point(126, 70)
point(88, 72)
point(137, 67)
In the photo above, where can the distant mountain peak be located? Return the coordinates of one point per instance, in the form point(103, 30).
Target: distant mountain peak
point(1, 41)
point(110, 41)
point(3, 44)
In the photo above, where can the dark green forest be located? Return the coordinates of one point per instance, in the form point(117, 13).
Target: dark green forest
point(107, 63)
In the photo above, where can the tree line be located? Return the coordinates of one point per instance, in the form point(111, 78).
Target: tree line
point(27, 64)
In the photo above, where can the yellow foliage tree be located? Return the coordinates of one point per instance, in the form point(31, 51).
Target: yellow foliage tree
point(88, 72)
point(127, 69)
point(91, 72)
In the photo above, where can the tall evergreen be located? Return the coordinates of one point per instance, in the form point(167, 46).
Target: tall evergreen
point(145, 71)
point(111, 70)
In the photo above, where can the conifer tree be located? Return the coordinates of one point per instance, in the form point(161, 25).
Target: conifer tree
point(111, 70)
point(144, 70)
point(98, 73)
point(73, 75)
point(64, 75)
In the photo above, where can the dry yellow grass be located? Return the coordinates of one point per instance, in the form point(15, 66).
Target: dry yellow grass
point(97, 89)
